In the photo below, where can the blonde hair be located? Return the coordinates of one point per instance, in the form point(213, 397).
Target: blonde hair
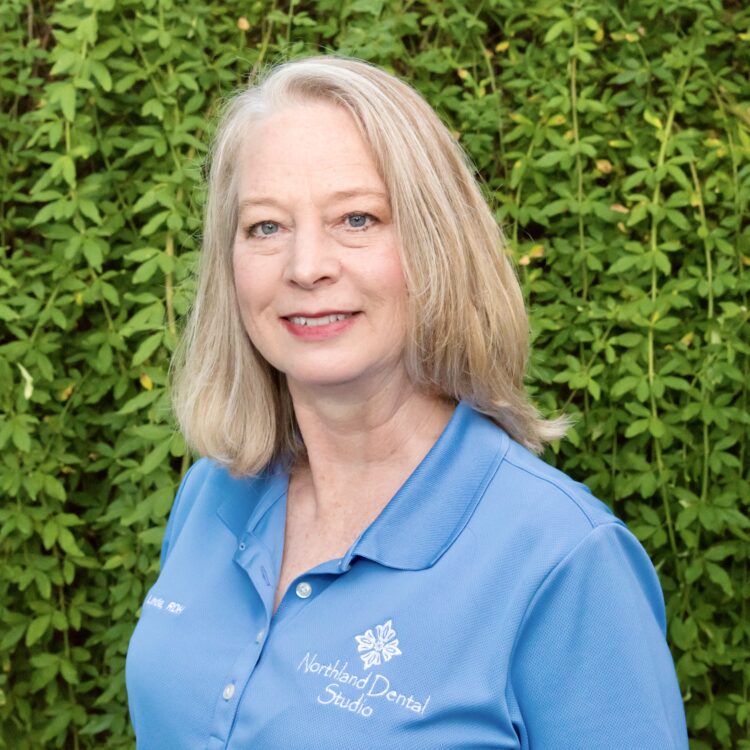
point(468, 331)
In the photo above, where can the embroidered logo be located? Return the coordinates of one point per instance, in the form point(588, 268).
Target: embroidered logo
point(374, 649)
point(361, 694)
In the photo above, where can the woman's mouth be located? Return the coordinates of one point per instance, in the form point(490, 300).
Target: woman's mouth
point(318, 326)
point(318, 320)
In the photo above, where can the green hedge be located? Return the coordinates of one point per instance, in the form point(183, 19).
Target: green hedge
point(613, 139)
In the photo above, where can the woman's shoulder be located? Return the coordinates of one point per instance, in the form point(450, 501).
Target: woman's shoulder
point(208, 488)
point(547, 488)
point(531, 505)
point(209, 482)
point(208, 479)
point(534, 512)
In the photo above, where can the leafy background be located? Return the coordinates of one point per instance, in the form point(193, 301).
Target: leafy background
point(613, 139)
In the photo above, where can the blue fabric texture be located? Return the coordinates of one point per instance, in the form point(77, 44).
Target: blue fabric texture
point(494, 603)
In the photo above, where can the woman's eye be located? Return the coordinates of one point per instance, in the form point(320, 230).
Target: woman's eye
point(263, 229)
point(359, 220)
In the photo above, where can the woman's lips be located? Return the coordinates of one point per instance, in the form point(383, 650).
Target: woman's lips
point(319, 325)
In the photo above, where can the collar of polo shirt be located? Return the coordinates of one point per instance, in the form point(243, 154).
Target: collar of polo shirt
point(423, 518)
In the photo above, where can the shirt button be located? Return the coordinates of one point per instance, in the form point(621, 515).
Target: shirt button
point(303, 590)
point(228, 692)
point(259, 637)
point(242, 546)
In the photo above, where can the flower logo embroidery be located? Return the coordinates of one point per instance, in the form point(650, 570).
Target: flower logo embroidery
point(375, 649)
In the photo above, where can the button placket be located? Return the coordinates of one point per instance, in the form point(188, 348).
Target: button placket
point(253, 557)
point(308, 589)
point(239, 676)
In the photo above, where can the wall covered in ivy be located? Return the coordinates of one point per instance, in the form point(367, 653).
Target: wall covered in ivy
point(613, 140)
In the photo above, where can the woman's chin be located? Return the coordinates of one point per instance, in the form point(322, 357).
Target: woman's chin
point(344, 381)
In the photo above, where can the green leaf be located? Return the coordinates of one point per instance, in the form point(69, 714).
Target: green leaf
point(154, 223)
point(720, 577)
point(142, 400)
point(93, 254)
point(151, 537)
point(147, 348)
point(153, 107)
point(68, 672)
point(558, 28)
point(37, 628)
point(629, 340)
point(550, 159)
point(720, 552)
point(57, 725)
point(67, 99)
point(54, 488)
point(98, 724)
point(678, 219)
point(146, 271)
point(656, 427)
point(102, 75)
point(21, 439)
point(155, 458)
point(90, 211)
point(622, 386)
point(68, 544)
point(49, 534)
point(140, 147)
point(637, 427)
point(12, 636)
point(622, 264)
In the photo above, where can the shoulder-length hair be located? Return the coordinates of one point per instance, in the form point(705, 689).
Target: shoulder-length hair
point(468, 334)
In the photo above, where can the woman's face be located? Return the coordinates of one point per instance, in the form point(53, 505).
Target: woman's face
point(316, 259)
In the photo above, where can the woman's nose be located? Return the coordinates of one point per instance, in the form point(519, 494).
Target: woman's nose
point(312, 259)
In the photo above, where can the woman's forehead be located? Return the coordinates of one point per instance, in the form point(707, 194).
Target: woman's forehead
point(310, 146)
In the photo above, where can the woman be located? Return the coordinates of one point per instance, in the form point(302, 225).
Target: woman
point(370, 553)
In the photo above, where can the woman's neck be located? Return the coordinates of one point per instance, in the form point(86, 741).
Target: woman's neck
point(359, 452)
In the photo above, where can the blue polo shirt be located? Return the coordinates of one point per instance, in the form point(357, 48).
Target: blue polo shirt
point(493, 603)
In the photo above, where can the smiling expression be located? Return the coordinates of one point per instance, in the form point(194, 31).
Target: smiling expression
point(316, 259)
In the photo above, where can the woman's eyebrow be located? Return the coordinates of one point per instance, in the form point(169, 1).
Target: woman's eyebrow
point(356, 192)
point(258, 201)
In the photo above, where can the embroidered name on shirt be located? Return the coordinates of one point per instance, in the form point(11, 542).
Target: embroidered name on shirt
point(174, 608)
point(375, 649)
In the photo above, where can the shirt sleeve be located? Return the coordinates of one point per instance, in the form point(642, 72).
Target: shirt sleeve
point(591, 667)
